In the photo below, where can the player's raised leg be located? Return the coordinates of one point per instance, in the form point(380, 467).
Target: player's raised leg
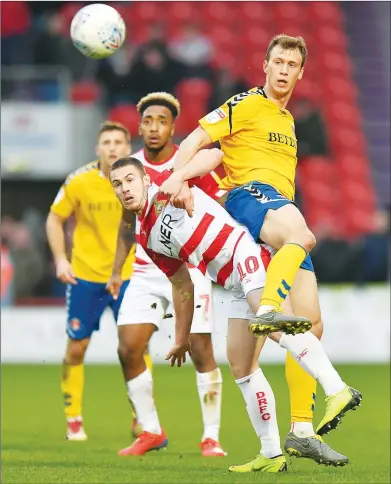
point(208, 375)
point(302, 440)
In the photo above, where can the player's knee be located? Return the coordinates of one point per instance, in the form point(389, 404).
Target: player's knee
point(76, 350)
point(317, 327)
point(202, 352)
point(130, 353)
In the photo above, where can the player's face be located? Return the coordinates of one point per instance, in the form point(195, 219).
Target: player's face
point(130, 186)
point(111, 146)
point(283, 70)
point(157, 127)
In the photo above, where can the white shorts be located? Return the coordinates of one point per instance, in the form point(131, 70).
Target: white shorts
point(148, 299)
point(250, 264)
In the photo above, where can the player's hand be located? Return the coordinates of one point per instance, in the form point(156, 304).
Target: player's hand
point(172, 185)
point(178, 354)
point(114, 285)
point(184, 200)
point(64, 272)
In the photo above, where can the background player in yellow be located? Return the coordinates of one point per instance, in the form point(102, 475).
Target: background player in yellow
point(257, 136)
point(87, 194)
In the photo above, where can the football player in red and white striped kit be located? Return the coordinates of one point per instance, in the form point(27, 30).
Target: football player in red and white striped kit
point(149, 298)
point(225, 252)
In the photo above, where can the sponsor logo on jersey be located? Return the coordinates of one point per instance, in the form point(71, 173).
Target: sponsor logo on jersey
point(283, 139)
point(215, 116)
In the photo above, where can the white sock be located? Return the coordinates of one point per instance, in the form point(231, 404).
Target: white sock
point(308, 351)
point(140, 394)
point(302, 429)
point(261, 408)
point(209, 390)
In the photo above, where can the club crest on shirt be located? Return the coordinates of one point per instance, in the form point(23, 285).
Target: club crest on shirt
point(159, 205)
point(215, 116)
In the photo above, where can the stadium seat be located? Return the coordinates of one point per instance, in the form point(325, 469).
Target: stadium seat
point(335, 61)
point(182, 12)
point(126, 114)
point(347, 141)
point(67, 11)
point(85, 92)
point(325, 13)
point(146, 13)
point(353, 166)
point(330, 37)
point(294, 12)
point(222, 38)
point(218, 13)
point(341, 89)
point(194, 89)
point(338, 112)
point(255, 38)
point(256, 13)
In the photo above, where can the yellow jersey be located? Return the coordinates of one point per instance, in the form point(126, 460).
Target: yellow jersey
point(258, 140)
point(88, 194)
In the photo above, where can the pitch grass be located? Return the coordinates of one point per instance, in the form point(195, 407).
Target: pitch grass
point(34, 448)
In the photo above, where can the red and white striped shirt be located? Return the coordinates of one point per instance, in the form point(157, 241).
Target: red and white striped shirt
point(207, 240)
point(208, 183)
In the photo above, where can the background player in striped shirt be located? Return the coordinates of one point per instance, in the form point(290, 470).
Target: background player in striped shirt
point(257, 136)
point(88, 196)
point(148, 297)
point(225, 252)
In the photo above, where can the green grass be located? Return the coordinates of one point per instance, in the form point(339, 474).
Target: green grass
point(34, 448)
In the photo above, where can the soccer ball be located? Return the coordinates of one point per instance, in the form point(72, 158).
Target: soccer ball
point(98, 30)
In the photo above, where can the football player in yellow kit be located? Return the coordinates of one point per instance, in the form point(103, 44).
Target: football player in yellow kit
point(87, 194)
point(256, 133)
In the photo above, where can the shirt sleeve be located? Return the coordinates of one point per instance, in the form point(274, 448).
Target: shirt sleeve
point(166, 264)
point(231, 117)
point(67, 199)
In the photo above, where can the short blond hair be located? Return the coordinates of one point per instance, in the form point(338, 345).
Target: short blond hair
point(114, 126)
point(286, 42)
point(160, 99)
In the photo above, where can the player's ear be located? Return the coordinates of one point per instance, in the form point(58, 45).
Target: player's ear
point(97, 150)
point(172, 132)
point(139, 130)
point(301, 73)
point(147, 180)
point(265, 66)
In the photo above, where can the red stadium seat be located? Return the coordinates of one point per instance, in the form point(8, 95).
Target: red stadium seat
point(347, 141)
point(258, 13)
point(85, 92)
point(330, 37)
point(182, 12)
point(255, 38)
point(126, 114)
point(222, 38)
point(339, 89)
point(67, 12)
point(353, 166)
point(214, 13)
point(194, 89)
point(337, 62)
point(295, 12)
point(146, 12)
point(324, 13)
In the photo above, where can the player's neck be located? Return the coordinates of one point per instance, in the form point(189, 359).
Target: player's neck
point(281, 102)
point(160, 156)
point(104, 168)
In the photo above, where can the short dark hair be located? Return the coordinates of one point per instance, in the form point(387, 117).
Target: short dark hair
point(286, 42)
point(114, 126)
point(128, 161)
point(160, 99)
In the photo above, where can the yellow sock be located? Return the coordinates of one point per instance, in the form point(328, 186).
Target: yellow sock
point(302, 391)
point(148, 360)
point(72, 386)
point(281, 273)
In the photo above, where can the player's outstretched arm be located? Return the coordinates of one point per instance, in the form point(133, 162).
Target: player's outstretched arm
point(202, 163)
point(56, 239)
point(125, 240)
point(183, 302)
point(196, 140)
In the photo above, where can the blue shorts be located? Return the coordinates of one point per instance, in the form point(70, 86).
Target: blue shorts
point(85, 302)
point(249, 204)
